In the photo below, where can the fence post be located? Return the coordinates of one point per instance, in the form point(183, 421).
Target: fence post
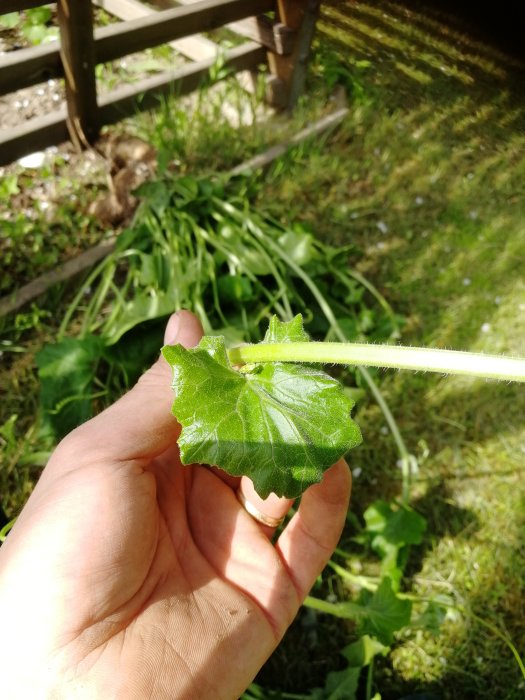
point(77, 51)
point(300, 16)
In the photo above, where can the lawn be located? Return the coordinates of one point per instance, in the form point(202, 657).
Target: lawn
point(424, 180)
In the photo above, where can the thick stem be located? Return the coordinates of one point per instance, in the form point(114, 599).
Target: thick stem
point(393, 356)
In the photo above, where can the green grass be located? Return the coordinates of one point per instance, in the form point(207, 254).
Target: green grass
point(425, 180)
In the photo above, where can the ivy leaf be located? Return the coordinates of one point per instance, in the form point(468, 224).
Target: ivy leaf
point(399, 526)
point(392, 531)
point(340, 685)
point(361, 652)
point(281, 424)
point(385, 613)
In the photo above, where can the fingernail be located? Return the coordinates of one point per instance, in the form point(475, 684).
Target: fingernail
point(172, 328)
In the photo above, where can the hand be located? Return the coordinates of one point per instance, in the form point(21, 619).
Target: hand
point(129, 576)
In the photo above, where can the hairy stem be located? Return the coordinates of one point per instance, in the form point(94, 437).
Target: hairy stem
point(392, 356)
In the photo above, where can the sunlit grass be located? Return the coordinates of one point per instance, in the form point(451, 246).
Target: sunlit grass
point(426, 180)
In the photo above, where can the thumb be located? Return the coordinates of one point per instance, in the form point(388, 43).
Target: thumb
point(140, 424)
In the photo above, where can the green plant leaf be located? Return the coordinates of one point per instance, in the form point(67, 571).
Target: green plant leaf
point(38, 15)
point(235, 288)
point(398, 526)
point(9, 20)
point(384, 613)
point(361, 652)
point(432, 617)
point(282, 425)
point(298, 246)
point(66, 371)
point(392, 531)
point(7, 433)
point(5, 529)
point(340, 685)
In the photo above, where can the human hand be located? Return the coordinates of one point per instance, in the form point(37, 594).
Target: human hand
point(129, 576)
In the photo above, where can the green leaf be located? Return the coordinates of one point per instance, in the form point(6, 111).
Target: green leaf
point(157, 195)
point(8, 434)
point(9, 185)
point(298, 246)
point(384, 614)
point(362, 652)
point(256, 692)
point(392, 530)
point(282, 425)
point(66, 371)
point(234, 288)
point(38, 15)
point(9, 20)
point(289, 332)
point(340, 685)
point(431, 618)
point(34, 33)
point(398, 526)
point(5, 529)
point(135, 350)
point(144, 307)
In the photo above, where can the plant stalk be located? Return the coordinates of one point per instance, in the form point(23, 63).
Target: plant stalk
point(388, 356)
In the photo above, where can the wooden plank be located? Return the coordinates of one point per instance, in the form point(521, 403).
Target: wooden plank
point(129, 99)
point(125, 9)
point(302, 50)
point(77, 51)
point(291, 12)
point(26, 67)
point(33, 135)
point(43, 62)
point(300, 16)
point(51, 129)
point(194, 47)
point(117, 40)
point(41, 284)
point(263, 160)
point(19, 5)
point(275, 36)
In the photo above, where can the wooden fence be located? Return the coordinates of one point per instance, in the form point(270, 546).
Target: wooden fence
point(280, 31)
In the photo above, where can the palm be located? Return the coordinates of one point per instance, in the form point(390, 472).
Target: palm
point(184, 548)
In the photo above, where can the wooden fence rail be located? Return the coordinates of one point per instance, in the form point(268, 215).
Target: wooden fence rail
point(282, 30)
point(15, 5)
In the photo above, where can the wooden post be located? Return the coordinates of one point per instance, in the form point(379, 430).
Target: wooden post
point(289, 72)
point(77, 52)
